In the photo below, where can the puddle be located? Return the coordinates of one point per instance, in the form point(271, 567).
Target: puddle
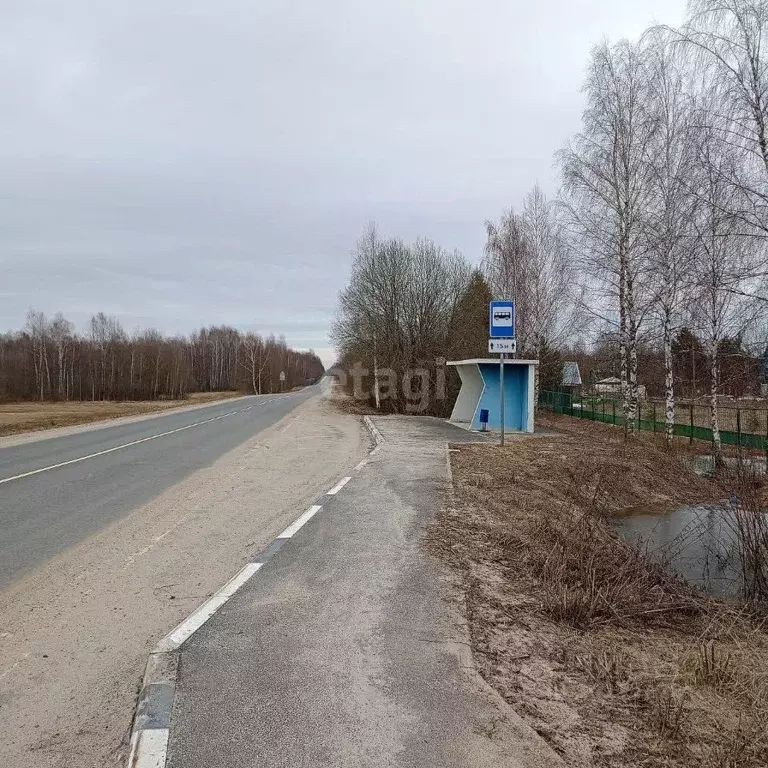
point(697, 542)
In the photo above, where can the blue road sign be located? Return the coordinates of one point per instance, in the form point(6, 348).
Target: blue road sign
point(502, 323)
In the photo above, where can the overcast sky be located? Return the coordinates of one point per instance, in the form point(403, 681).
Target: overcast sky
point(195, 162)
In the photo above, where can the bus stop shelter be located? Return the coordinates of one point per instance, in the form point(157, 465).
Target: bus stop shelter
point(480, 390)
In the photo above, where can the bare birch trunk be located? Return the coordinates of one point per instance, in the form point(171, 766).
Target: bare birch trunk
point(714, 415)
point(623, 345)
point(536, 385)
point(669, 381)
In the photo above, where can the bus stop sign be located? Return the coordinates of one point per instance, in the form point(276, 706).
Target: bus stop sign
point(502, 322)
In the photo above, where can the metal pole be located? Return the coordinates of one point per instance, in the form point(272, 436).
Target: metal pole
point(376, 375)
point(501, 392)
point(690, 439)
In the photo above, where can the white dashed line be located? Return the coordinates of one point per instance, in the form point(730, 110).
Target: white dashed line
point(295, 526)
point(191, 624)
point(336, 488)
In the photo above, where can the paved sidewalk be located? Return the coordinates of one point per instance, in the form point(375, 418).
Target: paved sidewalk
point(349, 648)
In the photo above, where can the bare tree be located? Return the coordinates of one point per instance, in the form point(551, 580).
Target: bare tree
point(725, 259)
point(671, 154)
point(606, 185)
point(526, 258)
point(506, 264)
point(553, 303)
point(38, 329)
point(728, 40)
point(404, 299)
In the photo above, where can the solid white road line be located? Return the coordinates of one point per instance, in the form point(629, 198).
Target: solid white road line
point(295, 526)
point(116, 448)
point(336, 488)
point(191, 624)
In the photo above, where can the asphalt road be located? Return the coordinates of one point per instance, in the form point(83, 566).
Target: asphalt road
point(348, 648)
point(55, 492)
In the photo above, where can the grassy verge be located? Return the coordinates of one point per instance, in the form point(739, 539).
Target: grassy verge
point(16, 418)
point(612, 658)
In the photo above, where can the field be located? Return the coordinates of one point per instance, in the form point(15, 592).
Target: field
point(33, 416)
point(612, 658)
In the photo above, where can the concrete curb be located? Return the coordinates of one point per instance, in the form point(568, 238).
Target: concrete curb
point(375, 434)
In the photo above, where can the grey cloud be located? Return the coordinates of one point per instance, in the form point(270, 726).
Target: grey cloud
point(188, 163)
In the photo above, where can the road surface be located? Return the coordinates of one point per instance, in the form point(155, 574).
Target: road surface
point(349, 648)
point(56, 492)
point(104, 555)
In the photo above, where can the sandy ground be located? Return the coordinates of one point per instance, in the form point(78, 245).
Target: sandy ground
point(76, 633)
point(17, 418)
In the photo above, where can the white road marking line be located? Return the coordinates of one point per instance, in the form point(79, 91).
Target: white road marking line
point(115, 448)
point(149, 748)
point(295, 526)
point(336, 488)
point(360, 464)
point(192, 623)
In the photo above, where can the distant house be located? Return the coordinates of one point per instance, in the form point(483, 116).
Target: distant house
point(609, 386)
point(571, 375)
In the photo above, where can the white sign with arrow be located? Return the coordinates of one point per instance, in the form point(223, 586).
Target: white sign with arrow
point(503, 346)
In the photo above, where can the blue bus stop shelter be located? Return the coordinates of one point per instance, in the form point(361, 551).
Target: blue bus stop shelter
point(480, 390)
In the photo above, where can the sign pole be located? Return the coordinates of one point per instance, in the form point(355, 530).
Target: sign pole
point(501, 393)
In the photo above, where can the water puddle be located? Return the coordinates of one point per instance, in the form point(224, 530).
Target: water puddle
point(698, 542)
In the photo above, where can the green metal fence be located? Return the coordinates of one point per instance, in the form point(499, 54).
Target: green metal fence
point(738, 424)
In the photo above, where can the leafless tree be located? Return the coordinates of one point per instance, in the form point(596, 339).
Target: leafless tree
point(725, 257)
point(671, 204)
point(727, 39)
point(606, 186)
point(527, 259)
point(399, 309)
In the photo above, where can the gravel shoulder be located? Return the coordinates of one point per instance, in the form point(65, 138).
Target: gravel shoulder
point(76, 632)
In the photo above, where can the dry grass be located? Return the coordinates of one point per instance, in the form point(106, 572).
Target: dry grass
point(612, 658)
point(348, 404)
point(16, 418)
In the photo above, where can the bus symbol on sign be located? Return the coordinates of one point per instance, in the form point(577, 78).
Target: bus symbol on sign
point(502, 323)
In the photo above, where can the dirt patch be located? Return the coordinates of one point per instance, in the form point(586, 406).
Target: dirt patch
point(610, 657)
point(16, 418)
point(345, 403)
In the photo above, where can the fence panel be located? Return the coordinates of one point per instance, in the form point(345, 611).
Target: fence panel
point(734, 420)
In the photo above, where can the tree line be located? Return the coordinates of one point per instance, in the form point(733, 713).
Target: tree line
point(660, 226)
point(50, 360)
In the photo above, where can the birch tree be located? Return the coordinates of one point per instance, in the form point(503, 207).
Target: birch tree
point(728, 39)
point(725, 259)
point(606, 186)
point(506, 266)
point(670, 159)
